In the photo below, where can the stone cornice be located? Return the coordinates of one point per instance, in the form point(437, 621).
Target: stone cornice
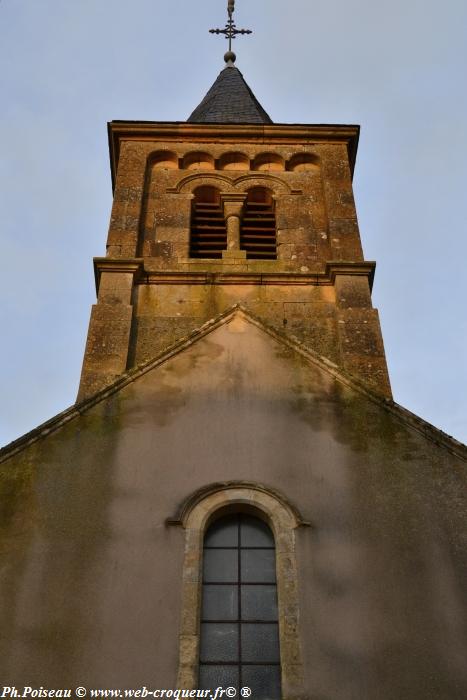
point(350, 268)
point(144, 276)
point(248, 133)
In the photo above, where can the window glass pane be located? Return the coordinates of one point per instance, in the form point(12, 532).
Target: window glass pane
point(264, 681)
point(220, 603)
point(259, 602)
point(223, 533)
point(260, 643)
point(220, 565)
point(258, 565)
point(255, 533)
point(219, 642)
point(211, 677)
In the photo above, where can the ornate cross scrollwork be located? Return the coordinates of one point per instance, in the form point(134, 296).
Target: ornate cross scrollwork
point(230, 30)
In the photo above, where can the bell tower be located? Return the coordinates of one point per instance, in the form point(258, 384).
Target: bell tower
point(231, 208)
point(236, 507)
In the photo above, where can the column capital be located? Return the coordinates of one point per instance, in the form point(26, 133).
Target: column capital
point(233, 203)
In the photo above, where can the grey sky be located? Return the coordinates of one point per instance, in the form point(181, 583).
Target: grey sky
point(397, 67)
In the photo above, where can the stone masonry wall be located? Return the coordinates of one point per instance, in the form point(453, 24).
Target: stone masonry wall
point(172, 294)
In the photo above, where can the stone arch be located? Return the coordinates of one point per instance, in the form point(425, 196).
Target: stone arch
point(234, 160)
point(189, 183)
point(303, 161)
point(268, 162)
point(270, 182)
point(198, 160)
point(164, 159)
point(197, 513)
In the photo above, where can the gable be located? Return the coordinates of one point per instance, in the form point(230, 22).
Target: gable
point(237, 359)
point(84, 503)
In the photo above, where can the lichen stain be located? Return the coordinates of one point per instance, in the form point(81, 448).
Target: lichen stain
point(16, 490)
point(156, 406)
point(351, 418)
point(54, 529)
point(195, 358)
point(163, 392)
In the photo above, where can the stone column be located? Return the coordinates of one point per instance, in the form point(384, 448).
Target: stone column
point(233, 212)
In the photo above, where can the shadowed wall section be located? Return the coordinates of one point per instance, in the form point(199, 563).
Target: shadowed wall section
point(91, 571)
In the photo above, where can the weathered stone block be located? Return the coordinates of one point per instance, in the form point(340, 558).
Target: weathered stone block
point(360, 332)
point(172, 211)
point(126, 194)
point(371, 370)
point(123, 223)
point(352, 291)
point(115, 287)
point(344, 239)
point(173, 234)
point(106, 347)
point(158, 249)
point(295, 236)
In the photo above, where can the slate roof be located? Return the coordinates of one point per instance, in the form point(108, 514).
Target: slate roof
point(230, 101)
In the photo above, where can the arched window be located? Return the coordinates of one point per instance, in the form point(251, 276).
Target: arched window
point(258, 228)
point(208, 230)
point(204, 508)
point(239, 645)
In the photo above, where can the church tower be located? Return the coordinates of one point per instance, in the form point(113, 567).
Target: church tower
point(230, 208)
point(235, 506)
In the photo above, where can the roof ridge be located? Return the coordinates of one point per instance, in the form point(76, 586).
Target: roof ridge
point(404, 415)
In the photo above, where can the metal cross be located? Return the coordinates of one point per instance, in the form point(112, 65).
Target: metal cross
point(230, 29)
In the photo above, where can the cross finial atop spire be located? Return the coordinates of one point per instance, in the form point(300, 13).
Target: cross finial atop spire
point(230, 32)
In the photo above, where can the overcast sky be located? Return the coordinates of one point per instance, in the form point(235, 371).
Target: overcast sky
point(396, 67)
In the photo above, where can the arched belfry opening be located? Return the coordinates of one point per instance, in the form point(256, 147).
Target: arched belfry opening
point(258, 228)
point(239, 639)
point(208, 235)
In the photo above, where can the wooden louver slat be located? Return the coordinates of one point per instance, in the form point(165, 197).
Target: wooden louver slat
point(258, 229)
point(208, 229)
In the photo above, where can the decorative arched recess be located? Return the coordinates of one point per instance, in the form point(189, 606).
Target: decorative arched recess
point(303, 161)
point(268, 161)
point(198, 512)
point(198, 160)
point(163, 159)
point(234, 160)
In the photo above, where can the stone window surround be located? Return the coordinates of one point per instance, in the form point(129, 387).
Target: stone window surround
point(198, 512)
point(232, 206)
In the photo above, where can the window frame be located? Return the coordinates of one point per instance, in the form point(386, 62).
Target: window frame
point(239, 524)
point(196, 516)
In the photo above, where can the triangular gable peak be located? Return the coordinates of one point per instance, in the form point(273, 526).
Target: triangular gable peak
point(241, 319)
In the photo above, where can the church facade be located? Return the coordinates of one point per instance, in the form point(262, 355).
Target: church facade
point(235, 500)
